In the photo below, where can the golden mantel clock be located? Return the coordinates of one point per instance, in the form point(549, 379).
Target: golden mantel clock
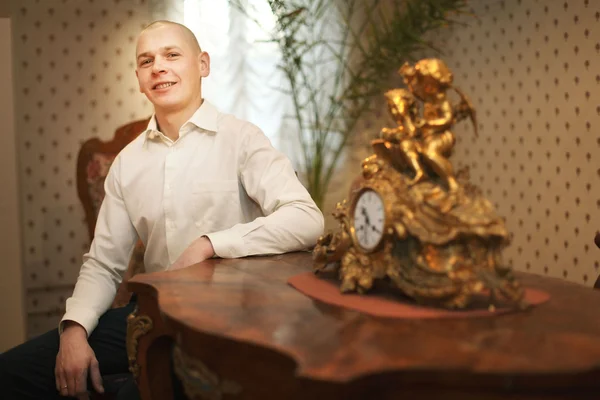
point(411, 219)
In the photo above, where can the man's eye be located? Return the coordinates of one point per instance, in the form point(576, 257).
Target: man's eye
point(171, 55)
point(144, 62)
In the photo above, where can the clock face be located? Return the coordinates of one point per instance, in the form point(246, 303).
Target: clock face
point(369, 220)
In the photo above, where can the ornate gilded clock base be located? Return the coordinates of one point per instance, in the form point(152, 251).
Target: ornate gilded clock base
point(437, 246)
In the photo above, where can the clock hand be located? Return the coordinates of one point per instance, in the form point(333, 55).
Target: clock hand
point(364, 213)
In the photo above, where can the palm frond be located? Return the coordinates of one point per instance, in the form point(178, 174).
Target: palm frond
point(337, 56)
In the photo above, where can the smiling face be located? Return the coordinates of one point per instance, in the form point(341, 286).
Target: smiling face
point(170, 66)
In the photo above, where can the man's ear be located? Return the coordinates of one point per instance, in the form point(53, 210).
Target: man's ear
point(138, 78)
point(204, 60)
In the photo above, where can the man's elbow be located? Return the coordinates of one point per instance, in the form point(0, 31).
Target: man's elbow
point(298, 226)
point(313, 228)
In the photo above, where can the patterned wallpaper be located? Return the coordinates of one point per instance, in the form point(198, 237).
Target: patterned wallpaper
point(74, 79)
point(530, 67)
point(532, 71)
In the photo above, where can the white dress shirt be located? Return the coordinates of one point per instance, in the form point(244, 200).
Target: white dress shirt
point(221, 178)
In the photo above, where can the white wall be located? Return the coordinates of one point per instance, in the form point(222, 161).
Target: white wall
point(11, 282)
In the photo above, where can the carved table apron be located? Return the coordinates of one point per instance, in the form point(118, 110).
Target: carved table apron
point(240, 332)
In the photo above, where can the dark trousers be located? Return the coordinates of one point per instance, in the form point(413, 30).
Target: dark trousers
point(27, 371)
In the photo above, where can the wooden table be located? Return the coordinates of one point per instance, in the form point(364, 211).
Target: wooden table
point(241, 332)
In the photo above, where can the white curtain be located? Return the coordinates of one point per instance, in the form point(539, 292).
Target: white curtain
point(244, 79)
point(171, 10)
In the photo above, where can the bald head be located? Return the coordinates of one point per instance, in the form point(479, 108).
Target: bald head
point(187, 34)
point(170, 67)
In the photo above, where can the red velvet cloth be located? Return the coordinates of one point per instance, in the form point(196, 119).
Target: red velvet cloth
point(390, 303)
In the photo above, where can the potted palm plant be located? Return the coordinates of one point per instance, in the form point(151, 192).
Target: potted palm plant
point(337, 57)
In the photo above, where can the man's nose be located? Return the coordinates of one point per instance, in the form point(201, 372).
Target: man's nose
point(158, 66)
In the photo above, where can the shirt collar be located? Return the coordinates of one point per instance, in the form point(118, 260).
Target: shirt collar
point(205, 118)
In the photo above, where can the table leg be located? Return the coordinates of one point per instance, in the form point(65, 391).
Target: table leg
point(149, 348)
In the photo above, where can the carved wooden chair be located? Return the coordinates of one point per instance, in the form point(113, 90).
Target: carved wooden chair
point(93, 162)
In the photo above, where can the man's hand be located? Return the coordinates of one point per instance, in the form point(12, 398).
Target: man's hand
point(198, 251)
point(74, 360)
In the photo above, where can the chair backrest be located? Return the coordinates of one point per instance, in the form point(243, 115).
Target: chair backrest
point(93, 162)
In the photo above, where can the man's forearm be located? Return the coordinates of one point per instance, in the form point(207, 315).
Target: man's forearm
point(291, 227)
point(94, 293)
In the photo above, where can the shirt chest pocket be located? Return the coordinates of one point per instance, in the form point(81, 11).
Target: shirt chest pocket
point(216, 204)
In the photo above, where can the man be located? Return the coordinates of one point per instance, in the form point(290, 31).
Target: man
point(195, 184)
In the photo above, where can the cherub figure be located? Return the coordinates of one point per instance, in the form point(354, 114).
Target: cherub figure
point(403, 108)
point(429, 81)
